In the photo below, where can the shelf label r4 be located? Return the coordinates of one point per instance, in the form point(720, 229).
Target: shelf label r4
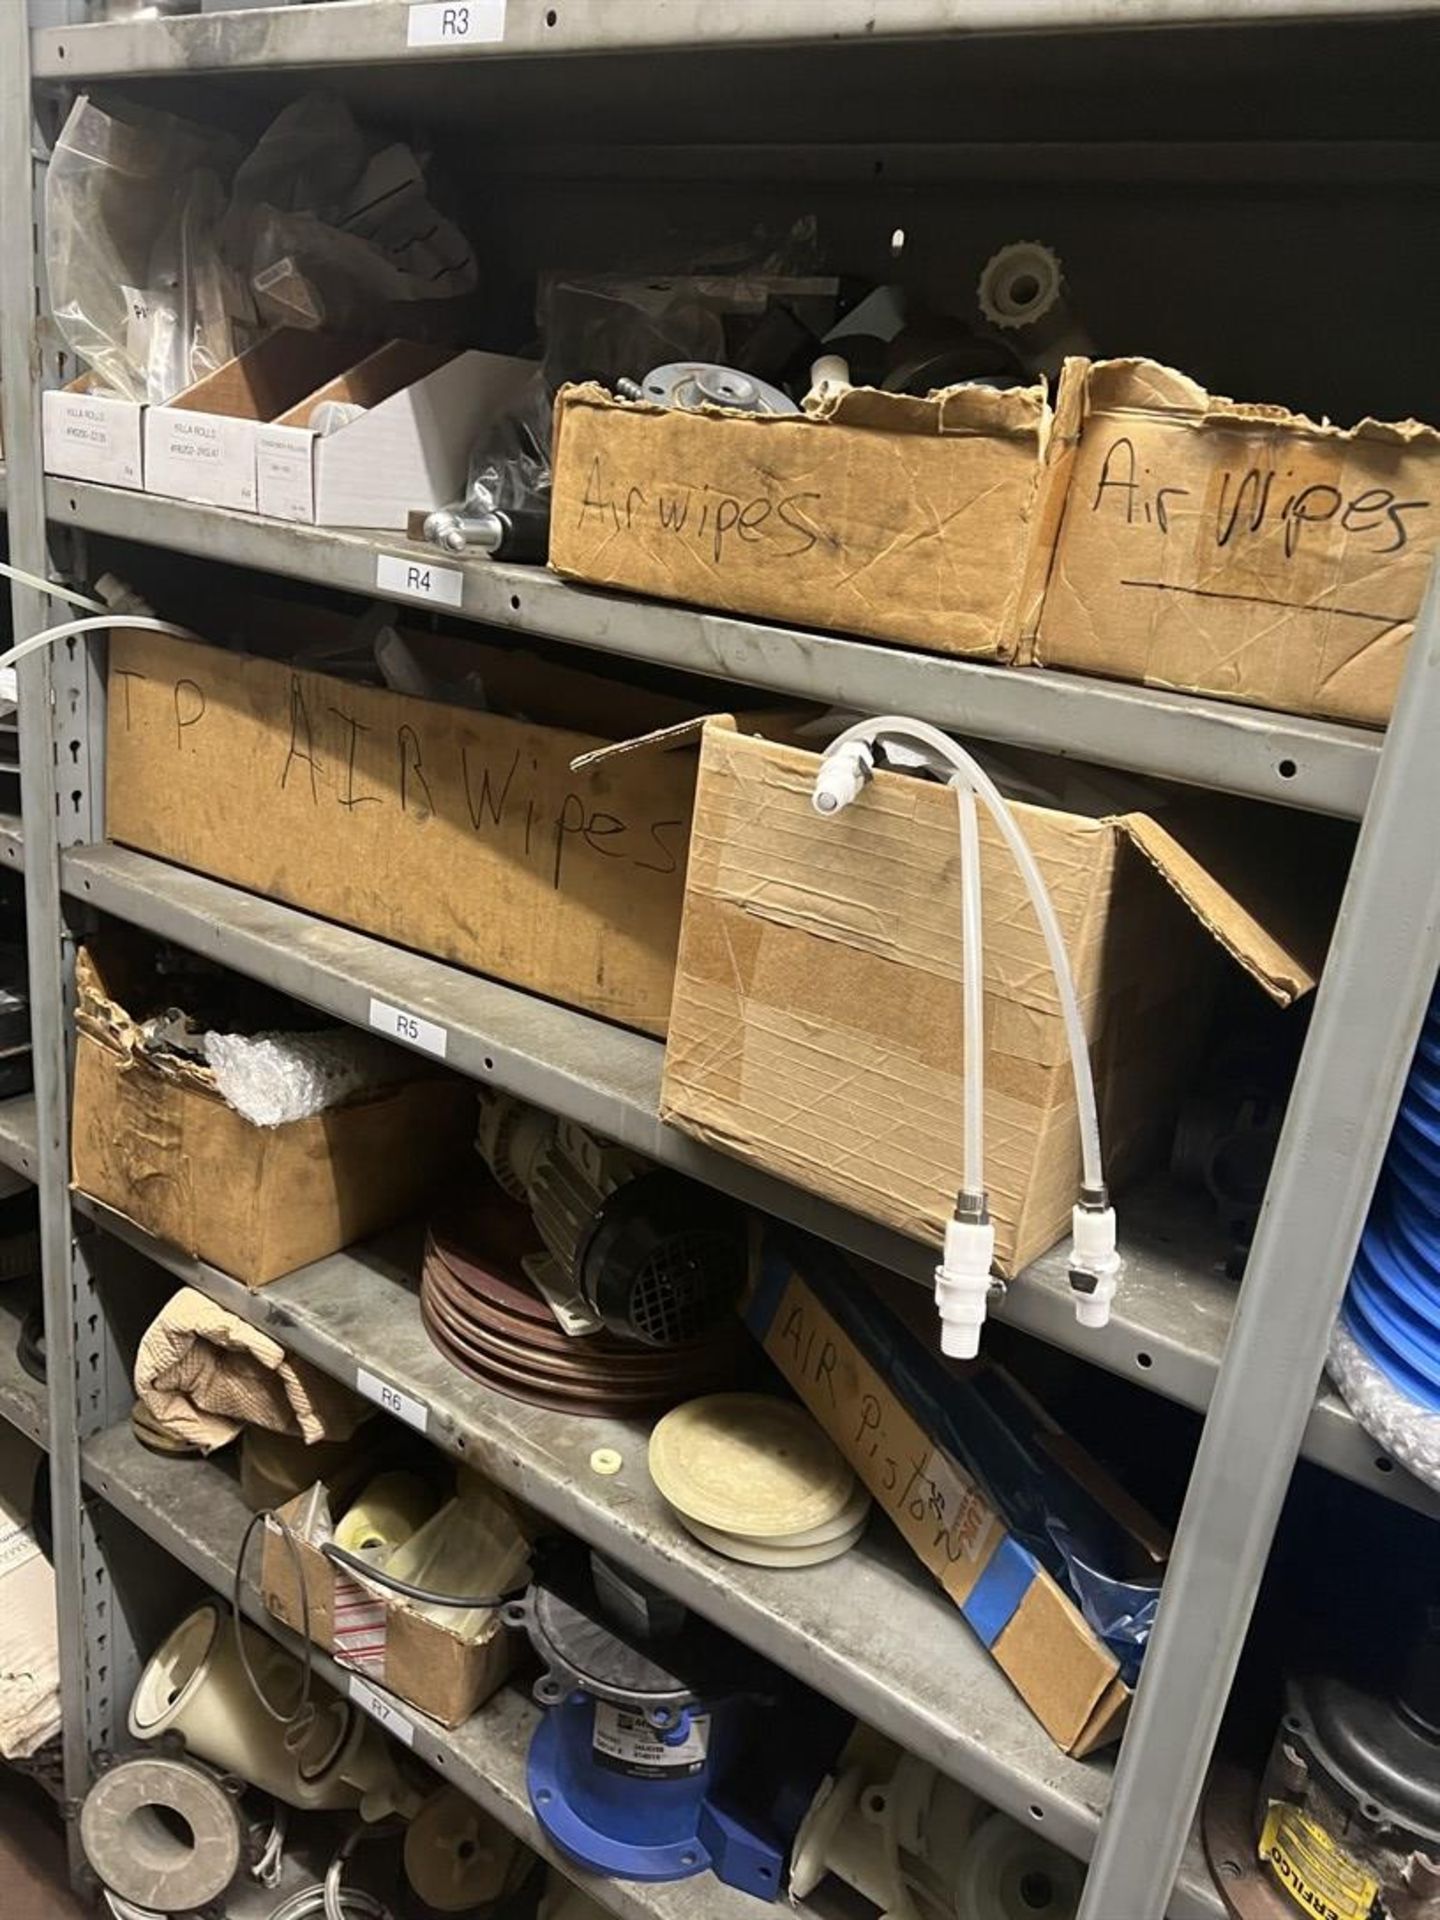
point(419, 579)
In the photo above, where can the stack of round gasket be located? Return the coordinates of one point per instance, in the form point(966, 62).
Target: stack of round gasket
point(489, 1320)
point(756, 1479)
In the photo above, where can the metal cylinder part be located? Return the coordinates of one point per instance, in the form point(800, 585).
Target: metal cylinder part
point(163, 1833)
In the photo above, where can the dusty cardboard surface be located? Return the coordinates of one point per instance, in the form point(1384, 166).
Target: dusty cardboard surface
point(816, 1025)
point(422, 1661)
point(1240, 551)
point(459, 833)
point(158, 1144)
point(1068, 1679)
point(886, 515)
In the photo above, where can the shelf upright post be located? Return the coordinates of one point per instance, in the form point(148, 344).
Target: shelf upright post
point(59, 786)
point(1377, 982)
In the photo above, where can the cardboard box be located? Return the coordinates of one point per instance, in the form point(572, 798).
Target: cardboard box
point(425, 408)
point(200, 445)
point(429, 1665)
point(1240, 551)
point(152, 1138)
point(461, 833)
point(902, 1419)
point(92, 435)
point(917, 520)
point(816, 1024)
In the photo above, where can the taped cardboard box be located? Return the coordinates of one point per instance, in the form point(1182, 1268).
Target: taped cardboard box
point(896, 1414)
point(384, 1639)
point(1240, 551)
point(887, 515)
point(462, 833)
point(152, 1138)
point(816, 1025)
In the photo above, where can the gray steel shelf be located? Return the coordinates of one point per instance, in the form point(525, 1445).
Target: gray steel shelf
point(374, 31)
point(23, 1401)
point(1171, 1317)
point(1313, 764)
point(928, 1683)
point(193, 1509)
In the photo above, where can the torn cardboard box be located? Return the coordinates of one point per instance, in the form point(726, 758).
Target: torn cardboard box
point(816, 1027)
point(905, 1423)
point(888, 515)
point(433, 1666)
point(152, 1138)
point(1241, 551)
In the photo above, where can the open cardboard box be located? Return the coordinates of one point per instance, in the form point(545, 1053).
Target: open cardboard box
point(381, 1637)
point(1241, 551)
point(902, 1419)
point(896, 517)
point(152, 1138)
point(816, 1025)
point(201, 444)
point(465, 834)
point(90, 434)
point(425, 408)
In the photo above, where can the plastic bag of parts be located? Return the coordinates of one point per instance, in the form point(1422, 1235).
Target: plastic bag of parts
point(606, 327)
point(1121, 1612)
point(473, 1545)
point(273, 1078)
point(132, 198)
point(334, 228)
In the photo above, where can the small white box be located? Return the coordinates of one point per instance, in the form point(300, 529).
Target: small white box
point(200, 446)
point(425, 407)
point(91, 435)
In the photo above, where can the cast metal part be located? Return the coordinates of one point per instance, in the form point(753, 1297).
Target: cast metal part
point(456, 530)
point(691, 384)
point(130, 1825)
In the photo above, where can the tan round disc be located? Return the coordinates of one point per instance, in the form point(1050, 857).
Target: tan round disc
point(748, 1464)
point(774, 1553)
point(457, 1856)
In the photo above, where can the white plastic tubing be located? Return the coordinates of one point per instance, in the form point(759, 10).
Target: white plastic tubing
point(970, 774)
point(102, 617)
point(962, 1279)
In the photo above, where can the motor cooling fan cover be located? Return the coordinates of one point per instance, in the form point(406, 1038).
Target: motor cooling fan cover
point(665, 1261)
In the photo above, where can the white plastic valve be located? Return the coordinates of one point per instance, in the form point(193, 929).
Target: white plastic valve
point(842, 777)
point(962, 1286)
point(1093, 1253)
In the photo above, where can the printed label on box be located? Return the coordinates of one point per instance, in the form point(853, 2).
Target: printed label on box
point(202, 456)
point(359, 1631)
point(285, 474)
point(93, 437)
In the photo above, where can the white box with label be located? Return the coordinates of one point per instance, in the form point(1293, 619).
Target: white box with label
point(408, 451)
point(93, 435)
point(200, 446)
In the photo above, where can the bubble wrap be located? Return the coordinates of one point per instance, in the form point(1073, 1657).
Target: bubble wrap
point(272, 1078)
point(1402, 1426)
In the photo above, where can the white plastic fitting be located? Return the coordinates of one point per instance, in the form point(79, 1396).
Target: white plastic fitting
point(962, 1286)
point(842, 777)
point(1093, 1253)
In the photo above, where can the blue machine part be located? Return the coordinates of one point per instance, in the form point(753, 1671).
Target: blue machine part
point(1392, 1305)
point(627, 1800)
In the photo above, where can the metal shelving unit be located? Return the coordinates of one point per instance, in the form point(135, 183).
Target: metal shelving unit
point(1253, 1360)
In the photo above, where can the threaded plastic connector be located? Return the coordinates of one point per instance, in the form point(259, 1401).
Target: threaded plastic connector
point(1095, 1263)
point(962, 1285)
point(842, 777)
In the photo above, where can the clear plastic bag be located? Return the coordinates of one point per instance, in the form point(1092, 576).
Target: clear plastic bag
point(332, 227)
point(127, 191)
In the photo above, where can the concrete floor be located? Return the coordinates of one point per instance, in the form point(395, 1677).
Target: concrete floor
point(33, 1880)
